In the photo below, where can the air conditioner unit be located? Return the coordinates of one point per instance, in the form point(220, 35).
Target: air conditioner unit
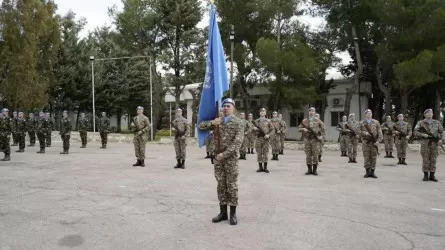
point(338, 102)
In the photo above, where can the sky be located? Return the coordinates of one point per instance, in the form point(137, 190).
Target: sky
point(96, 14)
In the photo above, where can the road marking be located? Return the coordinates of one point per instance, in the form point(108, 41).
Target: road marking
point(438, 209)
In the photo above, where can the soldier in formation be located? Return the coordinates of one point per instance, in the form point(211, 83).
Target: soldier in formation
point(5, 132)
point(15, 140)
point(182, 130)
point(42, 130)
point(247, 128)
point(21, 132)
point(65, 132)
point(402, 132)
point(313, 131)
point(210, 147)
point(264, 130)
point(50, 129)
point(275, 139)
point(388, 136)
point(32, 127)
point(352, 129)
point(321, 142)
point(83, 127)
point(251, 135)
point(104, 129)
point(282, 134)
point(371, 133)
point(226, 162)
point(343, 135)
point(433, 135)
point(140, 126)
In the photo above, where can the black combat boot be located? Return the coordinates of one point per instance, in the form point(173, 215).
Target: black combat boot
point(387, 154)
point(354, 161)
point(390, 155)
point(319, 158)
point(281, 152)
point(233, 219)
point(42, 151)
point(400, 161)
point(432, 178)
point(314, 172)
point(425, 176)
point(64, 152)
point(142, 163)
point(7, 158)
point(372, 174)
point(251, 151)
point(222, 215)
point(138, 163)
point(178, 164)
point(248, 150)
point(368, 171)
point(20, 151)
point(260, 167)
point(309, 169)
point(211, 158)
point(265, 168)
point(276, 157)
point(208, 156)
point(350, 160)
point(183, 164)
point(404, 161)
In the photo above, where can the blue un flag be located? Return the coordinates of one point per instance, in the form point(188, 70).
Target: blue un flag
point(215, 83)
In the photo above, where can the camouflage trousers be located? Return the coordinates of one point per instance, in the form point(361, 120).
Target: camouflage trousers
point(21, 139)
point(83, 137)
point(251, 138)
point(139, 146)
point(389, 141)
point(401, 145)
point(15, 139)
point(369, 154)
point(5, 144)
point(226, 174)
point(210, 146)
point(343, 143)
point(312, 150)
point(48, 138)
point(262, 149)
point(429, 151)
point(32, 137)
point(275, 143)
point(352, 143)
point(180, 147)
point(104, 137)
point(282, 138)
point(320, 148)
point(66, 141)
point(42, 137)
point(243, 148)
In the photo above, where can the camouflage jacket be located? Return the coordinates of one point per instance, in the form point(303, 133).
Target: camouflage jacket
point(403, 127)
point(5, 126)
point(341, 128)
point(247, 127)
point(316, 125)
point(387, 128)
point(375, 128)
point(140, 123)
point(14, 124)
point(231, 135)
point(283, 127)
point(182, 126)
point(353, 127)
point(21, 125)
point(265, 125)
point(50, 124)
point(83, 124)
point(65, 126)
point(43, 125)
point(278, 125)
point(104, 124)
point(32, 124)
point(435, 129)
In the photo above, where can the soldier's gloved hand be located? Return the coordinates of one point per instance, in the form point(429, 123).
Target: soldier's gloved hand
point(407, 137)
point(183, 137)
point(255, 128)
point(173, 129)
point(425, 135)
point(140, 132)
point(366, 133)
point(219, 157)
point(305, 130)
point(245, 133)
point(320, 138)
point(216, 122)
point(266, 136)
point(278, 132)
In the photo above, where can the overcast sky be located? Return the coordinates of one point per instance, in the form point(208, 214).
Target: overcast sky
point(96, 14)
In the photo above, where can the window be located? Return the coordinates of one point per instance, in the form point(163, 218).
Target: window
point(336, 118)
point(296, 119)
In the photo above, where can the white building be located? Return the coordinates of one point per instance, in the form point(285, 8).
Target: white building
point(293, 117)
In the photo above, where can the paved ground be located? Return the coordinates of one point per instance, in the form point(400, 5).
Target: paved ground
point(94, 199)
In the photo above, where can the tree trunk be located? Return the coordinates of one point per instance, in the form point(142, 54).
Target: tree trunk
point(351, 91)
point(437, 101)
point(403, 101)
point(119, 125)
point(386, 90)
point(77, 118)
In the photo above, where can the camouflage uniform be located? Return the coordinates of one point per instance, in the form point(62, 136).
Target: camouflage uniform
point(32, 127)
point(15, 139)
point(243, 148)
point(65, 133)
point(262, 143)
point(226, 171)
point(388, 138)
point(429, 147)
point(104, 129)
point(49, 131)
point(401, 139)
point(275, 139)
point(42, 130)
point(369, 150)
point(5, 132)
point(343, 137)
point(352, 140)
point(251, 138)
point(183, 130)
point(210, 146)
point(312, 142)
point(83, 126)
point(140, 123)
point(20, 131)
point(282, 136)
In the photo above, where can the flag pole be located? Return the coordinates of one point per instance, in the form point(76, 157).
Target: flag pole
point(218, 133)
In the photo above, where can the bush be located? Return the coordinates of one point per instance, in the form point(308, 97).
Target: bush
point(163, 132)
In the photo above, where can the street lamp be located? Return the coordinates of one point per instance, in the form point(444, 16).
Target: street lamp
point(92, 89)
point(232, 45)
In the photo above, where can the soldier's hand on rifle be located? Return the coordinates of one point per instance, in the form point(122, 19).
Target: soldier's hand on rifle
point(266, 136)
point(425, 136)
point(357, 136)
point(255, 128)
point(140, 132)
point(366, 133)
point(305, 130)
point(320, 138)
point(183, 137)
point(173, 129)
point(219, 157)
point(407, 137)
point(278, 131)
point(216, 122)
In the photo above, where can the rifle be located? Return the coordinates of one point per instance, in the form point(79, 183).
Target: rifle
point(311, 131)
point(261, 132)
point(373, 139)
point(390, 130)
point(178, 131)
point(431, 137)
point(352, 131)
point(402, 134)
